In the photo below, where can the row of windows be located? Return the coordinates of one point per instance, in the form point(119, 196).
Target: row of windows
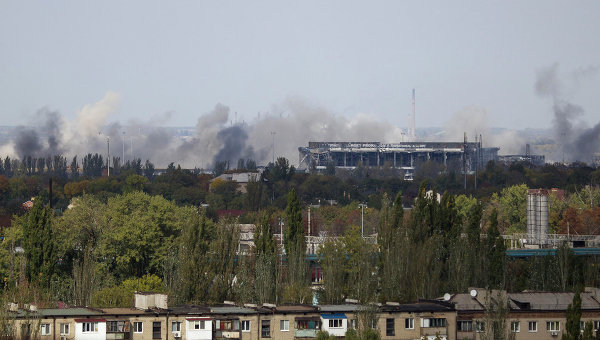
point(284, 326)
point(515, 326)
point(409, 323)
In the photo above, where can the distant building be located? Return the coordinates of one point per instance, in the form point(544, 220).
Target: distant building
point(406, 155)
point(241, 178)
point(537, 160)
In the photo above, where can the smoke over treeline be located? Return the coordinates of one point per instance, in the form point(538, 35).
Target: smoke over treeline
point(293, 123)
point(215, 137)
point(577, 141)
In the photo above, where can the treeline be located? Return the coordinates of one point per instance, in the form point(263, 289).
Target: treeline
point(101, 250)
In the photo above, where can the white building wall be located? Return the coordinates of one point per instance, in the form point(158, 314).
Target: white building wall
point(334, 331)
point(99, 335)
point(198, 334)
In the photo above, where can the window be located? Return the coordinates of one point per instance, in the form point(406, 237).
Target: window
point(45, 329)
point(515, 326)
point(156, 330)
point(335, 323)
point(374, 323)
point(581, 325)
point(553, 326)
point(176, 326)
point(353, 323)
point(389, 327)
point(409, 323)
point(307, 324)
point(284, 325)
point(138, 327)
point(533, 326)
point(89, 327)
point(464, 326)
point(225, 325)
point(479, 326)
point(197, 324)
point(64, 329)
point(265, 329)
point(117, 326)
point(245, 325)
point(433, 322)
point(596, 325)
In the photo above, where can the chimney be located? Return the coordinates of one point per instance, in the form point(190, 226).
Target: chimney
point(149, 300)
point(411, 119)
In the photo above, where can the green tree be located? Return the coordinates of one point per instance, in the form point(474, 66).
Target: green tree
point(266, 264)
point(139, 234)
point(134, 182)
point(588, 331)
point(361, 265)
point(572, 327)
point(123, 294)
point(496, 315)
point(39, 244)
point(324, 335)
point(512, 209)
point(496, 253)
point(192, 281)
point(296, 289)
point(222, 255)
point(80, 231)
point(294, 233)
point(332, 255)
point(474, 241)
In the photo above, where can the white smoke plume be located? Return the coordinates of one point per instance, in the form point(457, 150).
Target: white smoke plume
point(473, 120)
point(295, 122)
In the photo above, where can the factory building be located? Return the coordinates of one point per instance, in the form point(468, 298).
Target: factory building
point(457, 156)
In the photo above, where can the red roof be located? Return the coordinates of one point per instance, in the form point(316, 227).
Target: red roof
point(230, 213)
point(90, 320)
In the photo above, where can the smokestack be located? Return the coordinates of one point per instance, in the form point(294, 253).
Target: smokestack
point(412, 117)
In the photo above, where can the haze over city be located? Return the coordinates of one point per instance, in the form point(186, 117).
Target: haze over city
point(74, 72)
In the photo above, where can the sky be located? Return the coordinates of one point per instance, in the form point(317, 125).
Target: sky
point(174, 61)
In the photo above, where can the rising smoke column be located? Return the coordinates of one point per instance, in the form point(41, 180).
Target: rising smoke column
point(295, 122)
point(578, 142)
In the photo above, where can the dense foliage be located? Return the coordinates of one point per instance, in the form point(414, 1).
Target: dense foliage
point(104, 237)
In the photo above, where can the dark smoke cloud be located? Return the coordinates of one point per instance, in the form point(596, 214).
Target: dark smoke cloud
point(578, 142)
point(27, 142)
point(234, 147)
point(44, 139)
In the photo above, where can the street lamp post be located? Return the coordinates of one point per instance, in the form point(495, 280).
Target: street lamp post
point(108, 156)
point(362, 219)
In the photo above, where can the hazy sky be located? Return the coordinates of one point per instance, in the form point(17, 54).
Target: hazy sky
point(349, 57)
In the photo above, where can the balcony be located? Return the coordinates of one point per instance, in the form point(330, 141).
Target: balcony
point(306, 333)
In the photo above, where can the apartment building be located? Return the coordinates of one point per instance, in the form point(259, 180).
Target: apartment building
point(528, 315)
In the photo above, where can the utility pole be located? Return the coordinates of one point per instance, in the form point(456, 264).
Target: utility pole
point(273, 134)
point(123, 159)
point(465, 159)
point(108, 156)
point(273, 184)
